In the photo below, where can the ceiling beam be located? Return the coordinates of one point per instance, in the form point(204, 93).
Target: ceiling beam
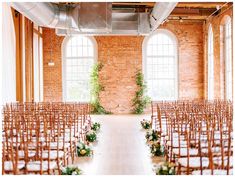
point(205, 5)
point(192, 12)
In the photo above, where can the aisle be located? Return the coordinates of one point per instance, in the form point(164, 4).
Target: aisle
point(121, 148)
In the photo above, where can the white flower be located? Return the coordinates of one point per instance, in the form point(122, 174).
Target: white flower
point(63, 169)
point(164, 168)
point(80, 146)
point(157, 170)
point(74, 173)
point(171, 171)
point(72, 166)
point(151, 137)
point(88, 133)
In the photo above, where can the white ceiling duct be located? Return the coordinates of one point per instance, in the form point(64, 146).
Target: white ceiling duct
point(121, 23)
point(160, 12)
point(48, 15)
point(94, 18)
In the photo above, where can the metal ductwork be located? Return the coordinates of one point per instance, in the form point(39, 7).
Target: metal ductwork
point(48, 15)
point(94, 18)
point(160, 12)
point(126, 22)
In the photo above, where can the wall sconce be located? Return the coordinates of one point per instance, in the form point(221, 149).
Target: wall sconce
point(181, 19)
point(51, 63)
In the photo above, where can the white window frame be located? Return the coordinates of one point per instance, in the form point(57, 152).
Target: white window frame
point(144, 61)
point(63, 49)
point(210, 64)
point(228, 59)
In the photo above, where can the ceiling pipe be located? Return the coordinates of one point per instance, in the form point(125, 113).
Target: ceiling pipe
point(80, 19)
point(160, 12)
point(48, 15)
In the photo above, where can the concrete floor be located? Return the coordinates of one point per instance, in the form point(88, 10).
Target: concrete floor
point(121, 148)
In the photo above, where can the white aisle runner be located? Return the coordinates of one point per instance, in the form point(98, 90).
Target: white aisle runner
point(121, 148)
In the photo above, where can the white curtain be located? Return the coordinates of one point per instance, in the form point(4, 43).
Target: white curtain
point(8, 63)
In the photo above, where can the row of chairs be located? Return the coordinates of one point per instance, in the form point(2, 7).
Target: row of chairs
point(40, 138)
point(196, 135)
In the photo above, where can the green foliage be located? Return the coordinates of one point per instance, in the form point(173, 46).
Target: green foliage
point(166, 168)
point(83, 149)
point(140, 101)
point(91, 136)
point(156, 148)
point(146, 124)
point(95, 126)
point(96, 88)
point(71, 171)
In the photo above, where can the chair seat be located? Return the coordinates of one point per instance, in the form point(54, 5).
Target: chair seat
point(68, 131)
point(214, 150)
point(53, 154)
point(194, 162)
point(183, 151)
point(216, 142)
point(30, 154)
point(8, 165)
point(176, 143)
point(67, 138)
point(218, 161)
point(53, 145)
point(175, 137)
point(41, 139)
point(215, 172)
point(33, 145)
point(35, 165)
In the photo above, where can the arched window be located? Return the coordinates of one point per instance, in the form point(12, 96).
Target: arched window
point(161, 65)
point(228, 58)
point(79, 55)
point(210, 64)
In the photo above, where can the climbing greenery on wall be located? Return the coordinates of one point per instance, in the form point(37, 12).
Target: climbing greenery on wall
point(96, 88)
point(140, 101)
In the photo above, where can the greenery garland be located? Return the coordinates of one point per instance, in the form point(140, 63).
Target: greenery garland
point(96, 88)
point(140, 101)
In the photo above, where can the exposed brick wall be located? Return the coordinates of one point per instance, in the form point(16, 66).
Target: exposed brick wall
point(52, 75)
point(219, 77)
point(122, 57)
point(190, 52)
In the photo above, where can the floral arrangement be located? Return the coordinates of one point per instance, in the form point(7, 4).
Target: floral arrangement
point(146, 124)
point(91, 136)
point(70, 171)
point(165, 168)
point(152, 135)
point(156, 148)
point(95, 126)
point(83, 149)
